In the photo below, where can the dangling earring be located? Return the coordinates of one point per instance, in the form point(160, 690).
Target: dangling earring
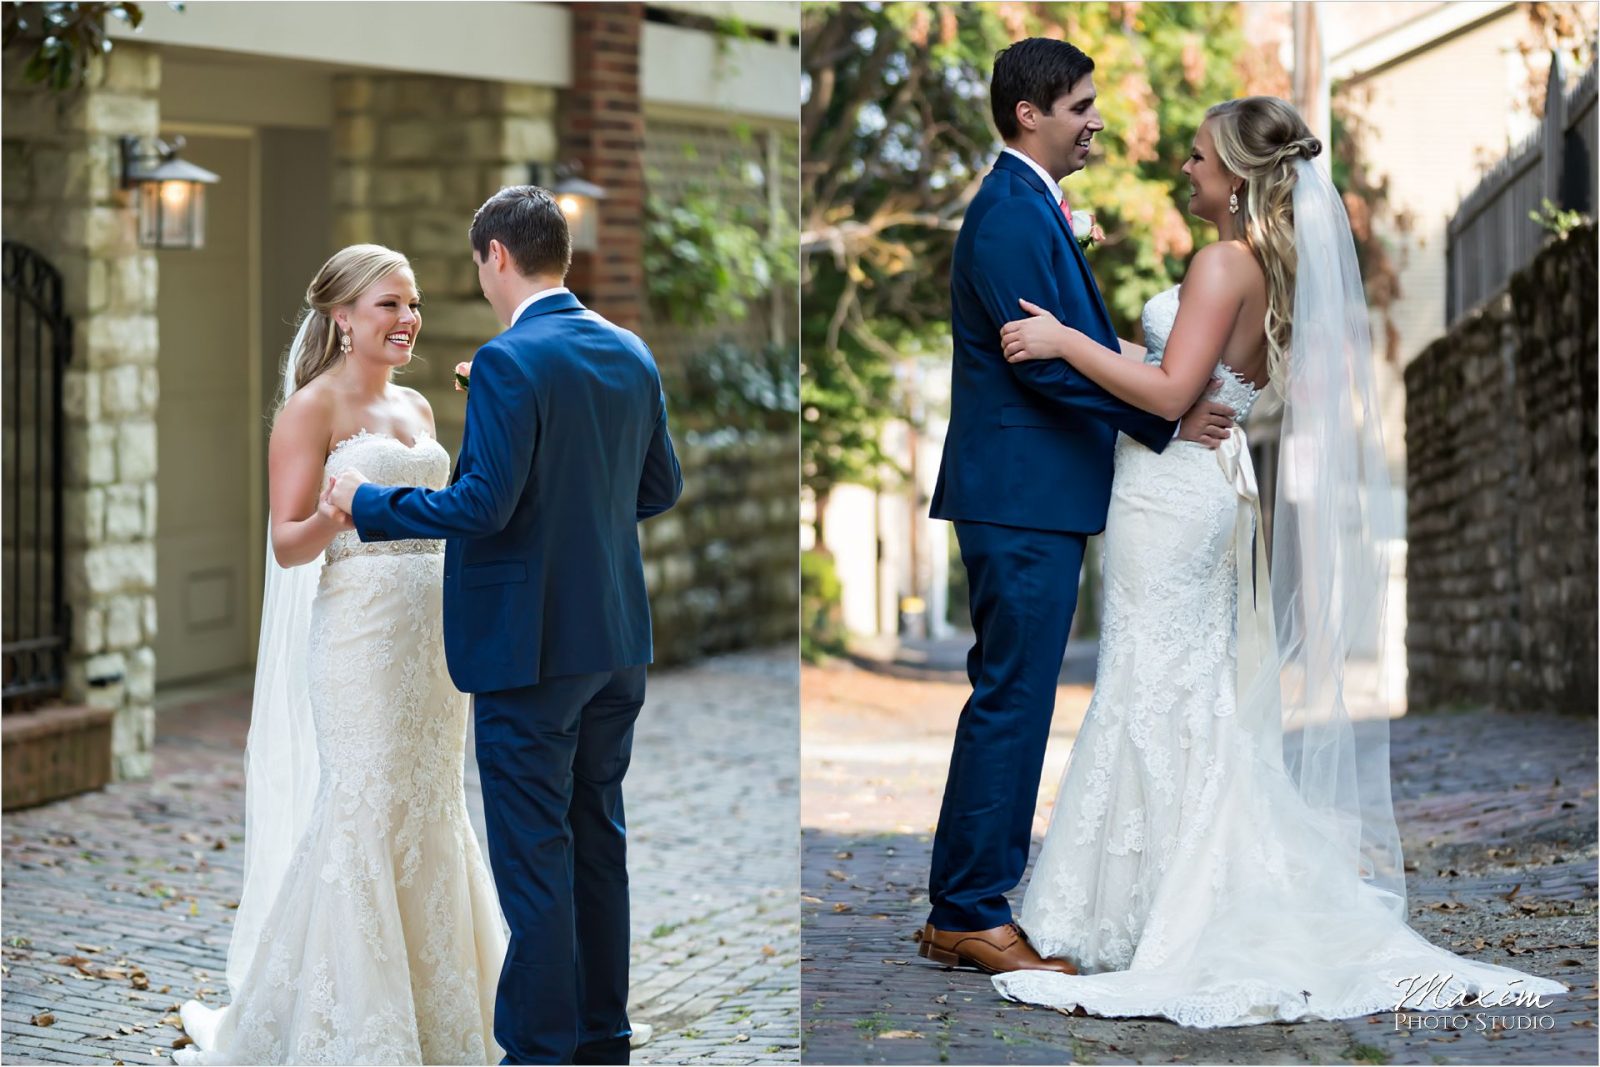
point(344, 344)
point(1233, 203)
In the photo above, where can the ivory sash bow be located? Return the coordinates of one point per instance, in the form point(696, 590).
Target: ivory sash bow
point(1257, 641)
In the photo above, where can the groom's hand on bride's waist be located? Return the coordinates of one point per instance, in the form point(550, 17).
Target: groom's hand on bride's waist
point(1207, 422)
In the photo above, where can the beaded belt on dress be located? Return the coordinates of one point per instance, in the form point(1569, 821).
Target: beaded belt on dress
point(347, 545)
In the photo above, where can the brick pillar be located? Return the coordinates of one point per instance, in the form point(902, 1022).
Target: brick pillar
point(63, 197)
point(602, 129)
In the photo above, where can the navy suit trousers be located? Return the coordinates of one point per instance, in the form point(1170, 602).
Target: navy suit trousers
point(551, 758)
point(1024, 588)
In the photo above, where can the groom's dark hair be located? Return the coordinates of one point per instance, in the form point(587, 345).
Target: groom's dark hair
point(529, 223)
point(1035, 69)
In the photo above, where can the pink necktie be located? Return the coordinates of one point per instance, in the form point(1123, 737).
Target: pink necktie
point(1065, 209)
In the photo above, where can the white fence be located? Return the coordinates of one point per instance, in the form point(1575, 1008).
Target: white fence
point(1491, 236)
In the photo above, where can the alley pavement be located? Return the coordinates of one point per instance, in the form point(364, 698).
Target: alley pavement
point(117, 905)
point(1498, 815)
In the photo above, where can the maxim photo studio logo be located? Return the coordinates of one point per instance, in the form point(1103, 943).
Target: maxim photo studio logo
point(1434, 1002)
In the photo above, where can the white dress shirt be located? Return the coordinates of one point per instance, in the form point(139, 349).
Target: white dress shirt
point(540, 295)
point(1044, 175)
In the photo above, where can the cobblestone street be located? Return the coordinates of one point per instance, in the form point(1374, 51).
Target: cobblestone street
point(1498, 814)
point(117, 904)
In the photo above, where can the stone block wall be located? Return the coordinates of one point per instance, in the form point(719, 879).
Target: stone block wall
point(62, 196)
point(1501, 491)
point(723, 565)
point(414, 157)
point(754, 170)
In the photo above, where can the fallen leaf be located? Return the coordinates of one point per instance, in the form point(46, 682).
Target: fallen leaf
point(740, 1037)
point(44, 1018)
point(841, 907)
point(896, 1035)
point(1514, 891)
point(897, 963)
point(89, 948)
point(182, 1042)
point(768, 950)
point(838, 876)
point(844, 855)
point(810, 899)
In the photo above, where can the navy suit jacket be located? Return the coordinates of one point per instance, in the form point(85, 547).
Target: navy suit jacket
point(1029, 443)
point(565, 449)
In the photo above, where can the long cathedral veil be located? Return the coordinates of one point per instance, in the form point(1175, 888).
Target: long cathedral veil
point(1330, 548)
point(281, 765)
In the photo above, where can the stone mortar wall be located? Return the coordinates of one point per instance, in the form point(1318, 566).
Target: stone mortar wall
point(1501, 445)
point(733, 161)
point(723, 565)
point(62, 196)
point(414, 158)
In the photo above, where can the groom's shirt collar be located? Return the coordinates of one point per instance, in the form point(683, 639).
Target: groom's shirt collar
point(1044, 175)
point(540, 295)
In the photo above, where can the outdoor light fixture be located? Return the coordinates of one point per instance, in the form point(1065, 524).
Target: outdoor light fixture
point(579, 201)
point(170, 194)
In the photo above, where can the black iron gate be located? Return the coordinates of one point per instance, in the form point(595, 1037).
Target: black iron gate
point(36, 338)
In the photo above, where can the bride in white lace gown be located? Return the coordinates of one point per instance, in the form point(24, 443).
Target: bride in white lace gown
point(381, 940)
point(1196, 867)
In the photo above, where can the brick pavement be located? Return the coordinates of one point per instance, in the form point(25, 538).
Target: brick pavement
point(133, 886)
point(1498, 813)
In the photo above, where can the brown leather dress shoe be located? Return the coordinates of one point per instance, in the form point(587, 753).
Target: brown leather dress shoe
point(992, 951)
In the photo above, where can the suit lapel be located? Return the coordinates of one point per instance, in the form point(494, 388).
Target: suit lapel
point(1031, 178)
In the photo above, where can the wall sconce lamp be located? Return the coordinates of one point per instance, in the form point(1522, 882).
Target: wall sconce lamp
point(169, 193)
point(579, 201)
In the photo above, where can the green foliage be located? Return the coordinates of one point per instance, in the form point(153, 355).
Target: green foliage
point(707, 261)
point(726, 386)
point(821, 628)
point(1553, 219)
point(65, 38)
point(896, 134)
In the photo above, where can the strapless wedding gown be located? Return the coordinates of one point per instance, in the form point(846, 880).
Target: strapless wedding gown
point(385, 943)
point(1180, 873)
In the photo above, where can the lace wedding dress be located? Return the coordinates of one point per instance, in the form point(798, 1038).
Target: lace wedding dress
point(385, 942)
point(1181, 871)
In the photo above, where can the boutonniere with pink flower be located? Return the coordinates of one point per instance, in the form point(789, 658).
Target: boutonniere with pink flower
point(1086, 230)
point(463, 376)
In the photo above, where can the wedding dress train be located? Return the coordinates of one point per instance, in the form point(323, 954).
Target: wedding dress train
point(385, 941)
point(1182, 871)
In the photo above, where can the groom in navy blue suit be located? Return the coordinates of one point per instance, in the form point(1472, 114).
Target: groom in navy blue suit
point(1026, 478)
point(546, 620)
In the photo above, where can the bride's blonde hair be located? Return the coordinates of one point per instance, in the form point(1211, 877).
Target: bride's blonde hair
point(348, 273)
point(1258, 138)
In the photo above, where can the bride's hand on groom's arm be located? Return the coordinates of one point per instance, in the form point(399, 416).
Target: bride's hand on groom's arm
point(1039, 336)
